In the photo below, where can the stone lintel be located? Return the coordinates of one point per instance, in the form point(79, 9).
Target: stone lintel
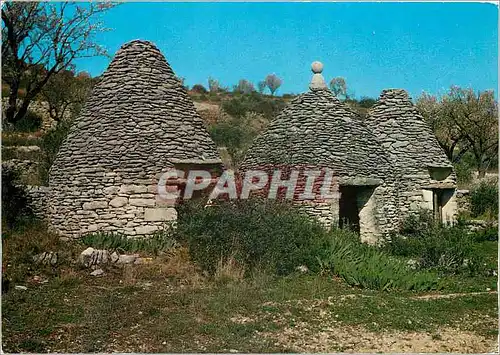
point(196, 161)
point(360, 181)
point(439, 186)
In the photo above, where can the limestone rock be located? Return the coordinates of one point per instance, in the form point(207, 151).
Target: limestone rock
point(91, 257)
point(46, 258)
point(160, 214)
point(127, 259)
point(97, 272)
point(95, 205)
point(118, 202)
point(142, 202)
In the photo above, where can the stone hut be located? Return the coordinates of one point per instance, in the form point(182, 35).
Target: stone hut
point(425, 175)
point(317, 131)
point(137, 124)
point(380, 173)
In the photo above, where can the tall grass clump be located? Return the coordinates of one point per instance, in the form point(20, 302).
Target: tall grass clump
point(257, 234)
point(159, 242)
point(366, 266)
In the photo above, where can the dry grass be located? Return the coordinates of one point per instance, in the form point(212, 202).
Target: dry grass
point(229, 270)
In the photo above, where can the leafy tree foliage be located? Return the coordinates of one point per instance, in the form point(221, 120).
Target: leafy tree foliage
point(200, 89)
point(464, 121)
point(273, 83)
point(40, 39)
point(261, 85)
point(244, 87)
point(338, 87)
point(213, 85)
point(66, 93)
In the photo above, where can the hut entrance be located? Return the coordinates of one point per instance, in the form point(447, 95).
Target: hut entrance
point(357, 210)
point(348, 208)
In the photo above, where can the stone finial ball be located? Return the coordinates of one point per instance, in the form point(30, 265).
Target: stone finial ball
point(317, 67)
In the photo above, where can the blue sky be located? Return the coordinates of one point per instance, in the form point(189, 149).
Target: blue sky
point(415, 46)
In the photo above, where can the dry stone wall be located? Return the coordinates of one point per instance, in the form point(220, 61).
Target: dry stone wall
point(37, 196)
point(137, 120)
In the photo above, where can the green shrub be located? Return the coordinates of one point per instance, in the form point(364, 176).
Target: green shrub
point(367, 266)
point(257, 234)
point(200, 89)
point(155, 244)
point(16, 211)
point(50, 144)
point(448, 250)
point(464, 171)
point(239, 105)
point(31, 122)
point(484, 199)
point(235, 135)
point(487, 234)
point(417, 223)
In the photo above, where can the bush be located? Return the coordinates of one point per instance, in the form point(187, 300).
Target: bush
point(367, 266)
point(31, 122)
point(256, 234)
point(200, 89)
point(488, 234)
point(417, 223)
point(239, 105)
point(448, 250)
point(51, 142)
point(464, 171)
point(16, 211)
point(484, 199)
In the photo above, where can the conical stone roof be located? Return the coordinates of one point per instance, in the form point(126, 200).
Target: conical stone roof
point(402, 131)
point(137, 120)
point(138, 115)
point(317, 129)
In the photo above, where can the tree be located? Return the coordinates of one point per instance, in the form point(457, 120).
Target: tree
point(200, 89)
point(338, 87)
point(65, 92)
point(273, 83)
point(40, 39)
point(465, 122)
point(213, 85)
point(261, 85)
point(244, 87)
point(449, 136)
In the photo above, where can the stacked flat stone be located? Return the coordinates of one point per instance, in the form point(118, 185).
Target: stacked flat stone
point(402, 131)
point(137, 120)
point(317, 129)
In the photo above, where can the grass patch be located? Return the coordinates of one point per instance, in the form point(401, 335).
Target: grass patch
point(366, 266)
point(104, 315)
point(159, 242)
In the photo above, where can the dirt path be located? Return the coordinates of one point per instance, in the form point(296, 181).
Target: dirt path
point(357, 339)
point(451, 295)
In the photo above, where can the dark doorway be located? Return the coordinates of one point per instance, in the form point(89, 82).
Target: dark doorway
point(348, 208)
